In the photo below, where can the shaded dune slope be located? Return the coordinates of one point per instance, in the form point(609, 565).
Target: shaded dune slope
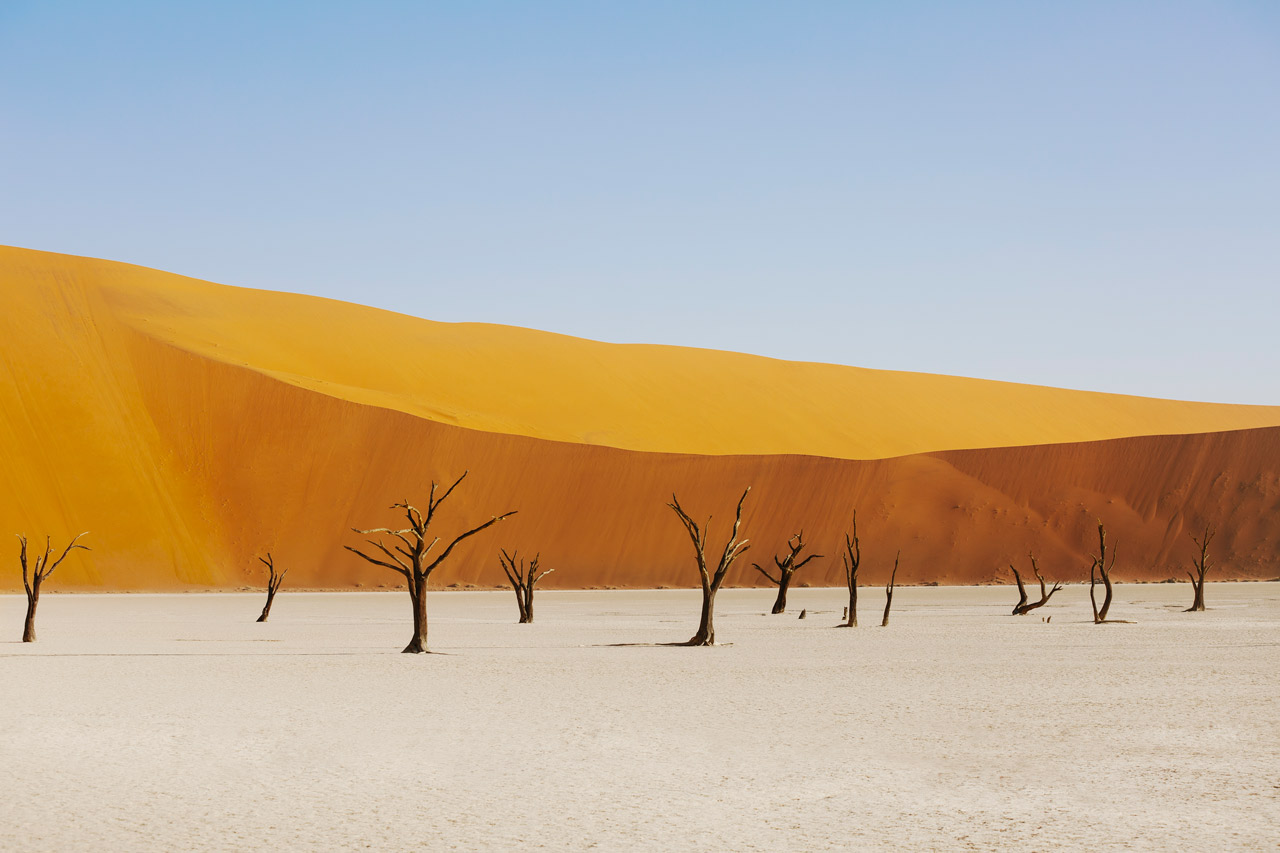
point(190, 426)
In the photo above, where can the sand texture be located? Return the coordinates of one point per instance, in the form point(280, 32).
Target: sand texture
point(173, 722)
point(190, 426)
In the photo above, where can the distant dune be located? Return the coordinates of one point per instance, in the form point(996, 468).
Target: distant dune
point(190, 426)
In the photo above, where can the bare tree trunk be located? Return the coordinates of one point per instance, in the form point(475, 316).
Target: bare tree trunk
point(1106, 601)
point(1197, 603)
point(1023, 607)
point(1202, 568)
point(711, 579)
point(266, 608)
point(29, 624)
point(1101, 568)
point(780, 603)
point(34, 574)
point(1022, 591)
point(274, 579)
point(418, 598)
point(407, 554)
point(522, 580)
point(706, 635)
point(888, 592)
point(852, 558)
point(787, 568)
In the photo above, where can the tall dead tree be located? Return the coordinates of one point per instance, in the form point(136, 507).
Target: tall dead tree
point(1101, 568)
point(407, 555)
point(34, 574)
point(1024, 607)
point(787, 567)
point(274, 579)
point(522, 579)
point(711, 578)
point(1202, 568)
point(851, 557)
point(888, 591)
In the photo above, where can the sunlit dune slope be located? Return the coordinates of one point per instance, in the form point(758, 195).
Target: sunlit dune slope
point(635, 397)
point(190, 426)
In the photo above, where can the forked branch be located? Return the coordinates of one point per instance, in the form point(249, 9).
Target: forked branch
point(1023, 606)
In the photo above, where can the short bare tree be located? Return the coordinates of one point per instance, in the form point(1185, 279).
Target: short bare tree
point(522, 579)
point(1023, 606)
point(711, 578)
point(852, 557)
point(407, 555)
point(1101, 568)
point(888, 591)
point(274, 579)
point(1202, 566)
point(787, 567)
point(35, 573)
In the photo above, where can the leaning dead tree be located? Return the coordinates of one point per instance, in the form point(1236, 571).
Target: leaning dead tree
point(888, 591)
point(34, 574)
point(407, 554)
point(1023, 606)
point(1102, 569)
point(851, 557)
point(787, 567)
point(1202, 568)
point(274, 579)
point(711, 578)
point(522, 579)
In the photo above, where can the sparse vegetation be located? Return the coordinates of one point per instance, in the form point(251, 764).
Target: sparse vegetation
point(274, 579)
point(1102, 569)
point(787, 567)
point(1023, 606)
point(888, 591)
point(711, 579)
point(522, 580)
point(407, 555)
point(851, 558)
point(35, 574)
point(1202, 568)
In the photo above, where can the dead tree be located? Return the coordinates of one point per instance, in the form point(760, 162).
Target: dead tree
point(1024, 607)
point(34, 575)
point(787, 567)
point(1202, 568)
point(407, 555)
point(711, 578)
point(1101, 568)
point(888, 591)
point(274, 580)
point(852, 556)
point(522, 580)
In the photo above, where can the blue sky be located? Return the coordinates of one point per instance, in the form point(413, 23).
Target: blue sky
point(1077, 194)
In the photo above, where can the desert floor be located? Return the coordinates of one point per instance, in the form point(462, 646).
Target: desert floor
point(173, 722)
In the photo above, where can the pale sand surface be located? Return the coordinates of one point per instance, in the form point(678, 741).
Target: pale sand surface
point(173, 722)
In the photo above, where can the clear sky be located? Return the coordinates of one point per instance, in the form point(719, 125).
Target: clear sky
point(1076, 194)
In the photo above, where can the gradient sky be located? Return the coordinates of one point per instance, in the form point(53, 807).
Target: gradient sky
point(1076, 194)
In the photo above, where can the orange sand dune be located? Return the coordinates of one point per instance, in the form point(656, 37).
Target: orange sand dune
point(190, 425)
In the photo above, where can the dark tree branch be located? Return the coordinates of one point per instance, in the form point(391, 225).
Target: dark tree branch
point(787, 567)
point(711, 579)
point(274, 579)
point(34, 574)
point(852, 558)
point(1024, 607)
point(409, 556)
point(888, 591)
point(1202, 566)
